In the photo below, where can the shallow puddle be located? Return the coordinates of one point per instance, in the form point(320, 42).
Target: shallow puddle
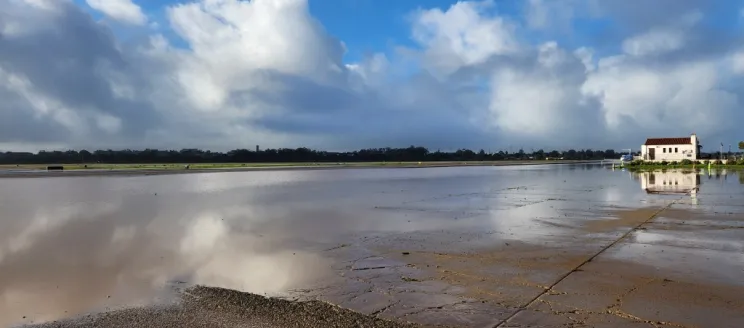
point(467, 246)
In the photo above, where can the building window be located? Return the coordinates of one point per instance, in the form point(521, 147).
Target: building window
point(676, 150)
point(663, 150)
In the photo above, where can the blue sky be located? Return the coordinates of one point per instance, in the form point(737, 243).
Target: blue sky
point(368, 27)
point(437, 73)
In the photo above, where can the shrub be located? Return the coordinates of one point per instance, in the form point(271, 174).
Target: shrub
point(664, 163)
point(674, 163)
point(686, 162)
point(717, 162)
point(740, 162)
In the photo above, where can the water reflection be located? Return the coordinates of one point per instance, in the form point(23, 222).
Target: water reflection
point(670, 182)
point(717, 174)
point(87, 257)
point(73, 245)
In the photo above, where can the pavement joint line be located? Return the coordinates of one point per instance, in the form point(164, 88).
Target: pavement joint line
point(575, 269)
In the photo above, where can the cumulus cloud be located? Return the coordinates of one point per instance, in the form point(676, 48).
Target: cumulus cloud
point(660, 40)
point(231, 73)
point(463, 35)
point(545, 99)
point(124, 11)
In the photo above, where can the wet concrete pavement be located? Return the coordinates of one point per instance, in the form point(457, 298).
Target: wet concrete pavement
point(471, 247)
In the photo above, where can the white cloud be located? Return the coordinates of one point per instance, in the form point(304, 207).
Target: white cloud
point(737, 62)
point(43, 4)
point(662, 39)
point(543, 100)
point(267, 72)
point(466, 34)
point(124, 11)
point(654, 42)
point(674, 100)
point(553, 15)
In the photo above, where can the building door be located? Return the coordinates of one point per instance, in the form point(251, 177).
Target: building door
point(652, 154)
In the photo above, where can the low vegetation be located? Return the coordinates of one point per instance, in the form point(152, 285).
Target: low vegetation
point(686, 163)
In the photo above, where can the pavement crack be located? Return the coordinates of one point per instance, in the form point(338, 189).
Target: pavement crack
point(619, 301)
point(438, 307)
point(369, 268)
point(609, 311)
point(337, 247)
point(380, 311)
point(360, 293)
point(588, 260)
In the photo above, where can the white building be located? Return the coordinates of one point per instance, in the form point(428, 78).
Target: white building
point(671, 149)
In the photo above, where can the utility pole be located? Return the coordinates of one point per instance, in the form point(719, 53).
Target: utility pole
point(720, 154)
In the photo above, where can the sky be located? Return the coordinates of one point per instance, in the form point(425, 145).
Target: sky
point(350, 74)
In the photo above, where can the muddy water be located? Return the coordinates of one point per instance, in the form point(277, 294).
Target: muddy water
point(75, 245)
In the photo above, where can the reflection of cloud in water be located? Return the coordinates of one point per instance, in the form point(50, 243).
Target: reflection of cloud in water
point(522, 222)
point(86, 257)
point(69, 243)
point(218, 258)
point(46, 220)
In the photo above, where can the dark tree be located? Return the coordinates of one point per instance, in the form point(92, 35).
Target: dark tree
point(190, 155)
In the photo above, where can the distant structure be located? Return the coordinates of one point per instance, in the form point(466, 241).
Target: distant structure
point(671, 149)
point(257, 149)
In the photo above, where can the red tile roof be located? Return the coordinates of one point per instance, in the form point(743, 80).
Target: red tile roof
point(668, 141)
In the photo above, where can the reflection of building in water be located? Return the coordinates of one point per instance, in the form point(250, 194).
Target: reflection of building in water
point(717, 174)
point(669, 182)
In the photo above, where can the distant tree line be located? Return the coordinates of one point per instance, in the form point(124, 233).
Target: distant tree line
point(410, 154)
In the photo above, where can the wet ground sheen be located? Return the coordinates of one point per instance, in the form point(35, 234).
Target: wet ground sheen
point(537, 246)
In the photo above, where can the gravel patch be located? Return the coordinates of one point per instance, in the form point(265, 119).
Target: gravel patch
point(218, 307)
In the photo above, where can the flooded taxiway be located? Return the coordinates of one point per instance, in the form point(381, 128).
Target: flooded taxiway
point(560, 245)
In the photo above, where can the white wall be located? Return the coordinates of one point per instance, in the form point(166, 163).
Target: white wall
point(671, 153)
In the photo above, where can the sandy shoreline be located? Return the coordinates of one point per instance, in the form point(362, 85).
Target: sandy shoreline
point(24, 173)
